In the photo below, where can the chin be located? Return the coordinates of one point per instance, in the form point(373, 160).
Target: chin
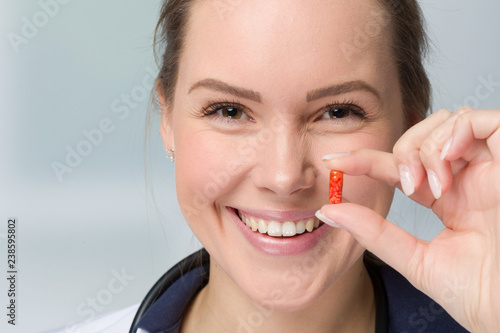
point(301, 283)
point(280, 300)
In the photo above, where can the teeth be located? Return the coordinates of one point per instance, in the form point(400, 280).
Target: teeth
point(274, 229)
point(310, 224)
point(247, 221)
point(254, 224)
point(289, 229)
point(262, 226)
point(280, 229)
point(301, 227)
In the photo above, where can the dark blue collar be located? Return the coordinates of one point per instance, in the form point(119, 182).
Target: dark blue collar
point(399, 306)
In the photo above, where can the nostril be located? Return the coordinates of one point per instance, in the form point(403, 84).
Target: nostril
point(285, 171)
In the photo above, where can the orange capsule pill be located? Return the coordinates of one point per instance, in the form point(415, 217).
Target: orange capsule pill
point(336, 183)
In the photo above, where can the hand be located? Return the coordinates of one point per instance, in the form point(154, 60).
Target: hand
point(450, 162)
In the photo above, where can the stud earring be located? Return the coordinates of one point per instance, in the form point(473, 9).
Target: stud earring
point(171, 154)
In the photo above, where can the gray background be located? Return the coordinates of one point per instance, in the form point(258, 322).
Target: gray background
point(72, 74)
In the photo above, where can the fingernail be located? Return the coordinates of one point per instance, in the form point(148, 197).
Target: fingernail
point(446, 147)
point(334, 156)
point(407, 182)
point(328, 221)
point(434, 184)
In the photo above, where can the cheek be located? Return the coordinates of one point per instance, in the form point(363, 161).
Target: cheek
point(206, 168)
point(194, 165)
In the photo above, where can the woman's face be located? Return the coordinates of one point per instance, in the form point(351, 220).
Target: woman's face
point(265, 89)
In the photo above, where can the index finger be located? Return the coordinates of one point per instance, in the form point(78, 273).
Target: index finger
point(375, 164)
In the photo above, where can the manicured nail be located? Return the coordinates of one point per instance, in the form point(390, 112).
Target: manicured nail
point(334, 156)
point(407, 182)
point(446, 148)
point(328, 221)
point(434, 184)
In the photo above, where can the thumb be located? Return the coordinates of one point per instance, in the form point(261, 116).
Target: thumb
point(393, 245)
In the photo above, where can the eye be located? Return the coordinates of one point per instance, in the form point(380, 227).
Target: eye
point(226, 111)
point(337, 113)
point(341, 111)
point(230, 112)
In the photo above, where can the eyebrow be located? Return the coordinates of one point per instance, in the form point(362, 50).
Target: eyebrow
point(223, 87)
point(341, 89)
point(333, 90)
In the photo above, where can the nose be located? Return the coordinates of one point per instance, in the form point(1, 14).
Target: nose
point(285, 164)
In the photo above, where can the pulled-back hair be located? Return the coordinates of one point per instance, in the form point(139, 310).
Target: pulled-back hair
point(409, 45)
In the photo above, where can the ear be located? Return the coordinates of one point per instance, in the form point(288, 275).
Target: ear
point(166, 129)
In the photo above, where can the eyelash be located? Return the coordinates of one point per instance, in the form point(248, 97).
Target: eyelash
point(216, 106)
point(352, 106)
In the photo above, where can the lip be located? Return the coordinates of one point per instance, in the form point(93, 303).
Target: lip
point(286, 246)
point(279, 216)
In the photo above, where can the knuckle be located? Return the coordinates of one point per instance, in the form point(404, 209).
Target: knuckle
point(463, 119)
point(401, 147)
point(440, 134)
point(414, 158)
point(427, 149)
point(441, 113)
point(406, 153)
point(463, 109)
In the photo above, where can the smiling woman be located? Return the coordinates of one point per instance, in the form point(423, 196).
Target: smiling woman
point(253, 95)
point(256, 96)
point(265, 85)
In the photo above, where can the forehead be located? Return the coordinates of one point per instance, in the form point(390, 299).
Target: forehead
point(272, 45)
